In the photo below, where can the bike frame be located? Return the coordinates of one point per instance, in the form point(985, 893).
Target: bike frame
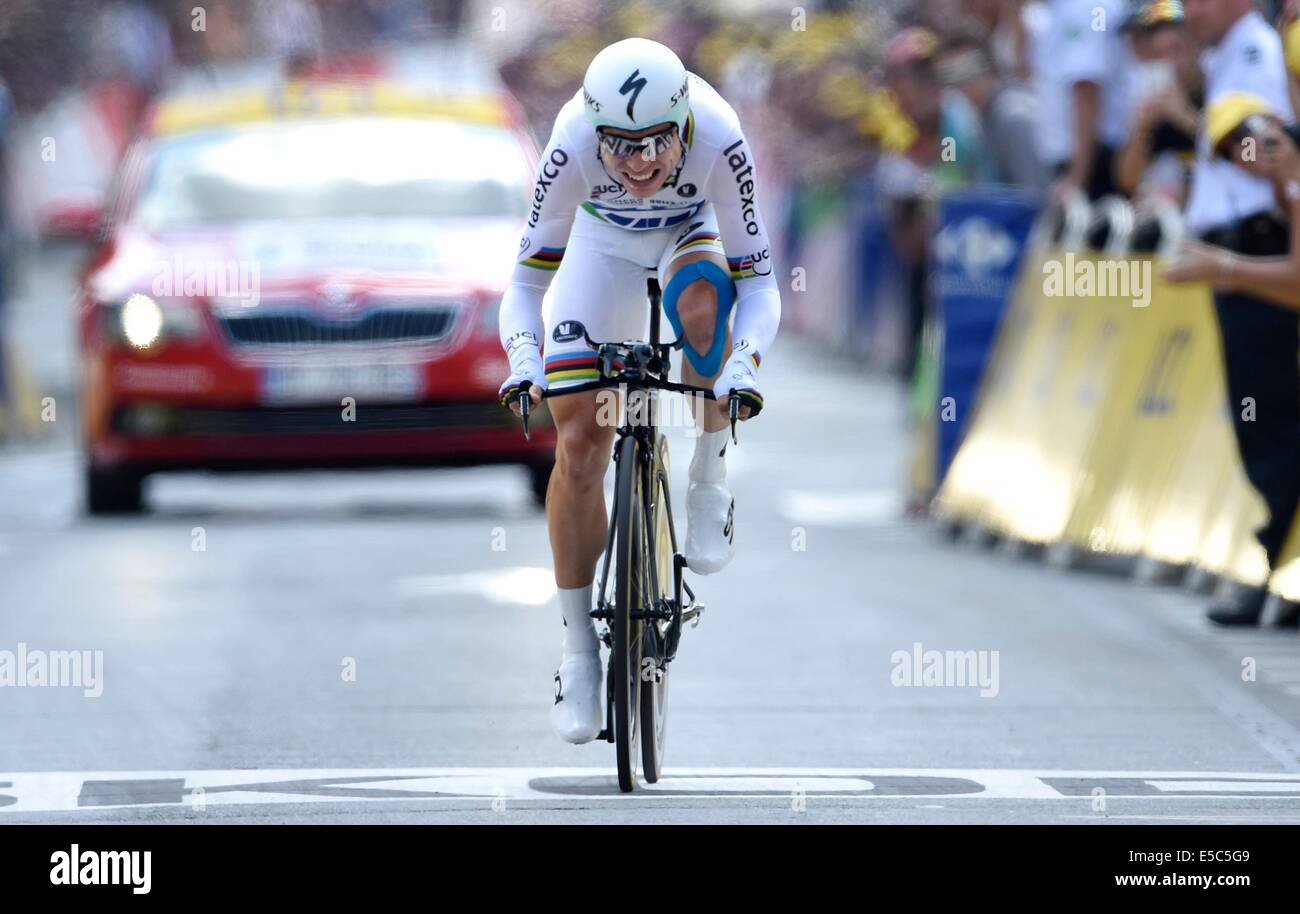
point(641, 370)
point(644, 373)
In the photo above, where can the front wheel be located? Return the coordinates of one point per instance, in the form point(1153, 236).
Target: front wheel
point(626, 646)
point(654, 655)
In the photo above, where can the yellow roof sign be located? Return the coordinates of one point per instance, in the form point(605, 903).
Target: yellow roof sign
point(317, 99)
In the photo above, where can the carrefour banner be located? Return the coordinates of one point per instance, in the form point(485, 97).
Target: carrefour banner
point(982, 233)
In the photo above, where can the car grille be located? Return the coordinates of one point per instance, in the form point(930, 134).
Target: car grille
point(289, 327)
point(149, 420)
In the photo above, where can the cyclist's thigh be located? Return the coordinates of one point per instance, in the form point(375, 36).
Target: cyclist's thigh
point(698, 239)
point(600, 289)
point(698, 243)
point(586, 420)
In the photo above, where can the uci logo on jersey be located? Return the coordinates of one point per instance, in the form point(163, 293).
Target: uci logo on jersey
point(599, 190)
point(567, 331)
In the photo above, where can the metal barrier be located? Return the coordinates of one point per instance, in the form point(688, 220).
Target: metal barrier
point(1100, 429)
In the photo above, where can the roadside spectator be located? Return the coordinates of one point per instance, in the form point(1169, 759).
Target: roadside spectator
point(129, 41)
point(1008, 110)
point(1162, 138)
point(1288, 24)
point(1000, 24)
point(1232, 209)
point(290, 31)
point(1080, 64)
point(1238, 122)
point(950, 144)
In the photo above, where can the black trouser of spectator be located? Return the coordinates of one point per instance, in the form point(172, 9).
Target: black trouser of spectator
point(1260, 351)
point(1101, 183)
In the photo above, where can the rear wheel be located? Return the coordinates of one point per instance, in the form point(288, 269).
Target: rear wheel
point(654, 678)
point(115, 491)
point(626, 646)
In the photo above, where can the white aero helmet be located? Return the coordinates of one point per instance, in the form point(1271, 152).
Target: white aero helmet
point(636, 83)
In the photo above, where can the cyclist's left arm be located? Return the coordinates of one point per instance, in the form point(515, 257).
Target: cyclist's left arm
point(733, 187)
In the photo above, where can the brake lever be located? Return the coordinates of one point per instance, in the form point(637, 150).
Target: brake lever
point(525, 402)
point(733, 412)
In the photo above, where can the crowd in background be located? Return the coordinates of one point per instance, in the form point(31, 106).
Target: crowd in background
point(912, 96)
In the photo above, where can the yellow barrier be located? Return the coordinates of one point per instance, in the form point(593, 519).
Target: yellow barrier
point(1286, 579)
point(20, 411)
point(1102, 425)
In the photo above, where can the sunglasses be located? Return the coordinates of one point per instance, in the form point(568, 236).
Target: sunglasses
point(650, 147)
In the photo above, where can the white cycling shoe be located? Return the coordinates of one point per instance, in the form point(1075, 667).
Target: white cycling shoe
point(710, 526)
point(579, 697)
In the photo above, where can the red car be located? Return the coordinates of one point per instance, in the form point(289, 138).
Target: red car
point(306, 276)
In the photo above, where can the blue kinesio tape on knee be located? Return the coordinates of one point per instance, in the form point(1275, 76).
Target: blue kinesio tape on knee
point(709, 363)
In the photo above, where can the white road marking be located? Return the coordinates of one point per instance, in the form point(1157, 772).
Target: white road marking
point(1223, 787)
point(529, 586)
point(1251, 819)
point(62, 791)
point(866, 508)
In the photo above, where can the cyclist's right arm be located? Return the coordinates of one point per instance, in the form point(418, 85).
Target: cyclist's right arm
point(557, 192)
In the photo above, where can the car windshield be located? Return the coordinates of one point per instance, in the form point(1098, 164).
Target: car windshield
point(353, 167)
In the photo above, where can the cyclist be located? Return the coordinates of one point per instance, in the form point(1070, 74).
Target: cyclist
point(646, 169)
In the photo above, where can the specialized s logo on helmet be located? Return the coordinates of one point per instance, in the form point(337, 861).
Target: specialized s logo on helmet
point(630, 85)
point(634, 84)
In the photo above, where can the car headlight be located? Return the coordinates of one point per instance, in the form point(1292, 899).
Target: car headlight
point(143, 321)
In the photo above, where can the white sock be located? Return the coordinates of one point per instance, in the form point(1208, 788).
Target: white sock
point(708, 463)
point(579, 627)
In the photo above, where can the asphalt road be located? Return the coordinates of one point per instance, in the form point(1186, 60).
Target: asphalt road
point(379, 647)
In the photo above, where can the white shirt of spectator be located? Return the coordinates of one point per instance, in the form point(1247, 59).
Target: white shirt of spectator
point(1080, 41)
point(1248, 59)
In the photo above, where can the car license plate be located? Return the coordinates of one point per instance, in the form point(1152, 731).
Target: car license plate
point(331, 383)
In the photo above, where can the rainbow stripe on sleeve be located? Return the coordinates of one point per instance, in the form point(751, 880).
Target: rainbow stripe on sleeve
point(700, 240)
point(545, 259)
point(571, 368)
point(741, 267)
